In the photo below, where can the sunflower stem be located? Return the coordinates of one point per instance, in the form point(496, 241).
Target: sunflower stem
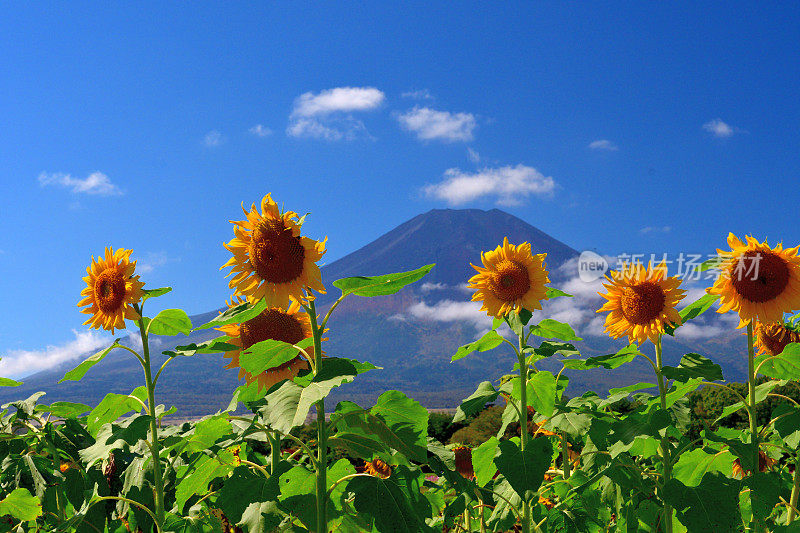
point(322, 437)
point(664, 447)
point(158, 492)
point(523, 423)
point(795, 493)
point(751, 411)
point(274, 452)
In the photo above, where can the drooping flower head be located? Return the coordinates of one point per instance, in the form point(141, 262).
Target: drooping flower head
point(378, 468)
point(511, 278)
point(765, 462)
point(773, 338)
point(286, 325)
point(464, 461)
point(758, 282)
point(641, 302)
point(271, 260)
point(111, 290)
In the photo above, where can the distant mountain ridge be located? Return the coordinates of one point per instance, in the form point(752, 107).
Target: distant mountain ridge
point(414, 352)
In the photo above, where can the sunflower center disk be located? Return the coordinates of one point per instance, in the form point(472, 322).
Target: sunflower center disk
point(760, 276)
point(109, 290)
point(642, 303)
point(276, 255)
point(510, 282)
point(271, 324)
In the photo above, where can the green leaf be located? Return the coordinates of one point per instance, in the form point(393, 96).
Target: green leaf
point(483, 461)
point(21, 504)
point(115, 436)
point(787, 424)
point(8, 382)
point(64, 409)
point(270, 353)
point(392, 508)
point(765, 492)
point(207, 432)
point(111, 408)
point(552, 292)
point(553, 329)
point(610, 361)
point(380, 285)
point(524, 470)
point(708, 264)
point(170, 322)
point(549, 348)
point(297, 491)
point(359, 445)
point(79, 371)
point(761, 393)
point(693, 465)
point(241, 313)
point(154, 293)
point(491, 339)
point(785, 365)
point(220, 344)
point(196, 483)
point(693, 365)
point(542, 392)
point(693, 310)
point(407, 419)
point(486, 393)
point(571, 423)
point(713, 505)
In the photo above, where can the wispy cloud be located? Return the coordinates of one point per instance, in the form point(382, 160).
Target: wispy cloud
point(603, 145)
point(213, 138)
point(509, 185)
point(474, 156)
point(421, 94)
point(153, 260)
point(719, 129)
point(328, 114)
point(260, 130)
point(655, 229)
point(95, 183)
point(18, 363)
point(429, 124)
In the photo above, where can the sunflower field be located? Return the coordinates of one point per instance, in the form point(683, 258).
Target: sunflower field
point(557, 463)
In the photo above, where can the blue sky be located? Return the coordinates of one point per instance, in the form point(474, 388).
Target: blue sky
point(146, 126)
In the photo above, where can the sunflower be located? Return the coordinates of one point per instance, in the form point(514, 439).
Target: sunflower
point(773, 338)
point(757, 281)
point(511, 278)
point(641, 302)
point(111, 290)
point(271, 260)
point(290, 325)
point(765, 462)
point(378, 468)
point(464, 461)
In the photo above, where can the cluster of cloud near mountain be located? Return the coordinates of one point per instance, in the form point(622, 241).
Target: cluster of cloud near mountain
point(18, 363)
point(509, 185)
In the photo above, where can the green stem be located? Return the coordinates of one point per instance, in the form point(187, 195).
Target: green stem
point(523, 423)
point(322, 437)
point(274, 452)
point(664, 447)
point(467, 520)
point(751, 411)
point(795, 493)
point(565, 460)
point(158, 493)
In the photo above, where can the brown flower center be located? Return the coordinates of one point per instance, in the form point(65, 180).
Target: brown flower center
point(643, 302)
point(271, 324)
point(510, 282)
point(275, 254)
point(760, 276)
point(775, 337)
point(109, 290)
point(464, 461)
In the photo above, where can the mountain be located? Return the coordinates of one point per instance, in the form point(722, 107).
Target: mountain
point(411, 334)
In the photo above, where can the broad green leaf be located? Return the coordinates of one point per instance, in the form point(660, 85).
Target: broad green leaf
point(517, 320)
point(524, 470)
point(64, 409)
point(196, 482)
point(483, 461)
point(407, 419)
point(610, 361)
point(220, 344)
point(761, 393)
point(21, 504)
point(785, 365)
point(693, 310)
point(170, 322)
point(491, 339)
point(207, 432)
point(240, 313)
point(765, 492)
point(713, 505)
point(79, 371)
point(693, 365)
point(115, 436)
point(787, 424)
point(553, 329)
point(549, 348)
point(259, 490)
point(542, 392)
point(111, 408)
point(8, 382)
point(297, 491)
point(486, 393)
point(154, 293)
point(693, 465)
point(380, 285)
point(571, 423)
point(270, 354)
point(359, 445)
point(617, 394)
point(389, 504)
point(552, 292)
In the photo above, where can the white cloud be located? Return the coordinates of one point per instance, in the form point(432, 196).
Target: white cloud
point(510, 185)
point(18, 363)
point(719, 129)
point(428, 286)
point(151, 261)
point(95, 183)
point(655, 229)
point(327, 114)
point(422, 94)
point(431, 124)
point(450, 311)
point(213, 138)
point(603, 144)
point(474, 156)
point(260, 130)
